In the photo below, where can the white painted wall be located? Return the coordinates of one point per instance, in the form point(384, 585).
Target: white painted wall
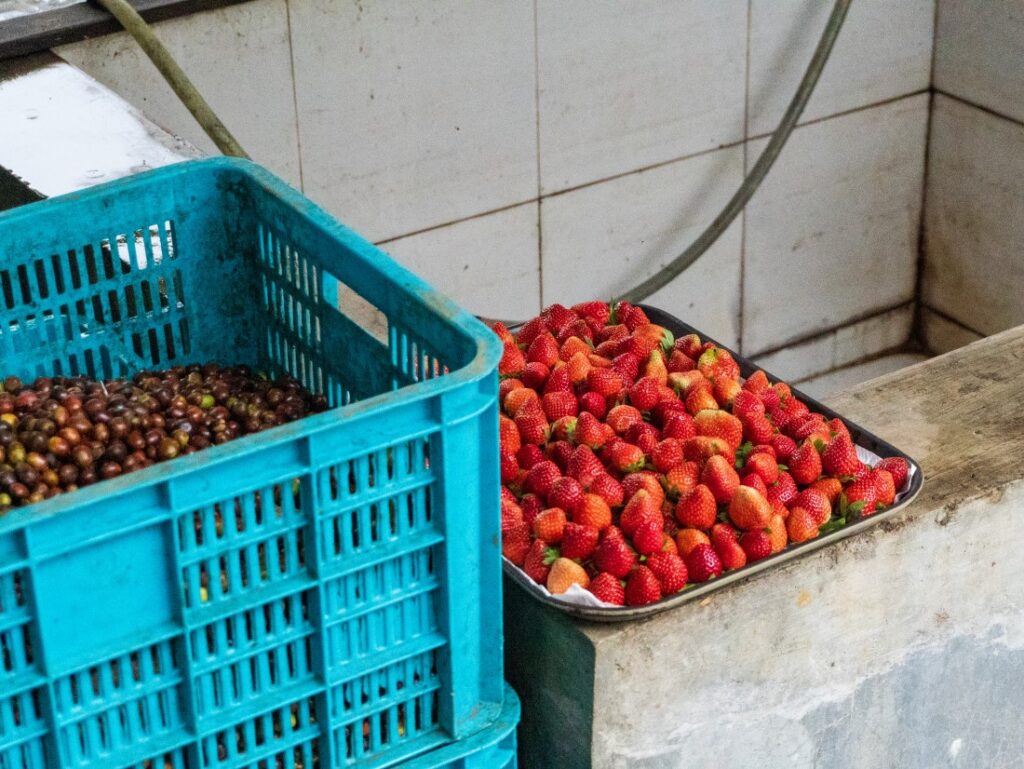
point(520, 152)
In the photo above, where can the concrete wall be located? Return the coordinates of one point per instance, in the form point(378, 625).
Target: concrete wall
point(521, 152)
point(973, 280)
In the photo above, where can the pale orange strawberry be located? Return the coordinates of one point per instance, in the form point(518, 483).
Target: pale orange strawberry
point(681, 479)
point(549, 525)
point(719, 424)
point(573, 346)
point(668, 543)
point(640, 509)
point(647, 481)
point(777, 533)
point(594, 512)
point(697, 509)
point(701, 399)
point(725, 391)
point(623, 417)
point(720, 477)
point(801, 525)
point(564, 574)
point(748, 509)
point(655, 368)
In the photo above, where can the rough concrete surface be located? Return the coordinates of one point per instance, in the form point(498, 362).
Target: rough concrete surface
point(899, 648)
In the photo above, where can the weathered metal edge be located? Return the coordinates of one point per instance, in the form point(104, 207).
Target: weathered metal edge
point(861, 437)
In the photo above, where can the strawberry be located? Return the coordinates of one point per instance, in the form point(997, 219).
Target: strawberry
point(840, 457)
point(603, 381)
point(746, 404)
point(702, 448)
point(777, 532)
point(630, 315)
point(579, 541)
point(507, 495)
point(564, 574)
point(697, 509)
point(670, 571)
point(556, 317)
point(719, 424)
point(549, 525)
point(725, 390)
point(639, 509)
point(667, 454)
point(623, 457)
point(642, 588)
point(531, 505)
point(643, 393)
point(689, 345)
point(681, 479)
point(770, 398)
point(679, 426)
point(684, 383)
point(577, 329)
point(859, 498)
point(815, 502)
point(532, 425)
point(703, 563)
point(623, 417)
point(595, 404)
point(805, 464)
point(718, 363)
point(512, 360)
point(757, 428)
point(531, 330)
point(577, 368)
point(898, 468)
point(608, 588)
point(701, 399)
point(627, 365)
point(613, 555)
point(754, 481)
point(655, 368)
point(837, 426)
point(572, 347)
point(584, 465)
point(538, 560)
point(509, 465)
point(508, 434)
point(515, 543)
point(783, 490)
point(534, 375)
point(593, 512)
point(566, 493)
point(511, 515)
point(784, 447)
point(647, 481)
point(563, 428)
point(801, 525)
point(508, 384)
point(729, 552)
point(830, 487)
point(801, 429)
point(613, 332)
point(720, 477)
point(607, 488)
point(749, 509)
point(644, 436)
point(679, 361)
point(757, 382)
point(594, 312)
point(559, 381)
point(756, 544)
point(516, 399)
point(764, 465)
point(559, 452)
point(649, 537)
point(560, 404)
point(668, 542)
point(541, 477)
point(687, 539)
point(885, 487)
point(591, 432)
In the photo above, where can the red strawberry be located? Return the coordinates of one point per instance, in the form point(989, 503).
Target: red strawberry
point(579, 541)
point(572, 347)
point(644, 436)
point(518, 398)
point(642, 588)
point(630, 315)
point(511, 514)
point(801, 525)
point(612, 332)
point(717, 363)
point(702, 448)
point(703, 563)
point(541, 477)
point(623, 457)
point(859, 498)
point(816, 503)
point(679, 362)
point(613, 555)
point(531, 330)
point(720, 477)
point(559, 381)
point(719, 424)
point(770, 398)
point(627, 365)
point(515, 543)
point(643, 393)
point(560, 404)
point(690, 345)
point(591, 432)
point(529, 455)
point(639, 510)
point(557, 317)
point(681, 479)
point(757, 428)
point(623, 417)
point(746, 404)
point(749, 510)
point(670, 571)
point(679, 426)
point(805, 464)
point(509, 465)
point(840, 457)
point(649, 537)
point(578, 329)
point(783, 490)
point(757, 382)
point(532, 425)
point(898, 468)
point(608, 489)
point(534, 375)
point(667, 454)
point(584, 465)
point(512, 360)
point(508, 434)
point(604, 381)
point(559, 452)
point(538, 560)
point(754, 481)
point(647, 481)
point(593, 512)
point(838, 426)
point(764, 465)
point(594, 403)
point(566, 493)
point(697, 509)
point(531, 505)
point(549, 525)
point(507, 495)
point(756, 544)
point(885, 487)
point(724, 541)
point(784, 447)
point(700, 399)
point(608, 588)
point(594, 312)
point(563, 428)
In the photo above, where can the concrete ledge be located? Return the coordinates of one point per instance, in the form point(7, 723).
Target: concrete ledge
point(901, 647)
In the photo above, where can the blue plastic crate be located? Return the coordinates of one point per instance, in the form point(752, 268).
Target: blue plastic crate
point(326, 593)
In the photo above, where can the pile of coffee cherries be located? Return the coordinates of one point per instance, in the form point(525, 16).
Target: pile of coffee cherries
point(58, 434)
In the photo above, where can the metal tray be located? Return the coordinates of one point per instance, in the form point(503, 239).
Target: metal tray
point(696, 591)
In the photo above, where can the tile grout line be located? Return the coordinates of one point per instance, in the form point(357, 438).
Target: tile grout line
point(295, 91)
point(977, 106)
point(743, 214)
point(536, 115)
point(950, 319)
point(871, 358)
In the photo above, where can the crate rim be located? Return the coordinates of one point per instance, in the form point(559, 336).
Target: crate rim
point(485, 359)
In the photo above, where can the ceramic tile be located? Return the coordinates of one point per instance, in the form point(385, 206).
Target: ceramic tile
point(413, 115)
point(942, 335)
point(832, 233)
point(601, 240)
point(825, 385)
point(619, 89)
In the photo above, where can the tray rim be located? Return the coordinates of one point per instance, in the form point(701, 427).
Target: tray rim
point(861, 437)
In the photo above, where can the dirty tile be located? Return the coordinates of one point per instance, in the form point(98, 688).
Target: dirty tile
point(832, 233)
point(626, 85)
point(979, 48)
point(488, 264)
point(251, 37)
point(974, 229)
point(601, 240)
point(883, 51)
point(413, 115)
point(823, 386)
point(941, 335)
point(841, 347)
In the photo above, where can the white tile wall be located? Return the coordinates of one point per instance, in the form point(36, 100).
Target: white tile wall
point(414, 114)
point(942, 335)
point(974, 227)
point(832, 233)
point(824, 386)
point(238, 57)
point(601, 240)
point(979, 53)
point(626, 85)
point(489, 264)
point(841, 347)
point(884, 50)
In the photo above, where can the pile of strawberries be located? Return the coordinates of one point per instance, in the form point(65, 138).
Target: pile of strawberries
point(634, 464)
